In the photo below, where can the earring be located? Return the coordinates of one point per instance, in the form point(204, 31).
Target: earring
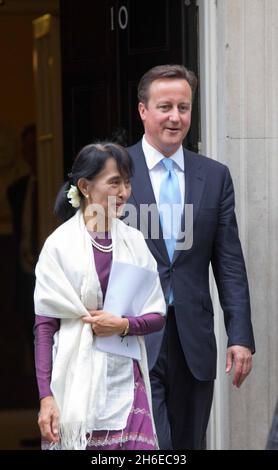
point(86, 195)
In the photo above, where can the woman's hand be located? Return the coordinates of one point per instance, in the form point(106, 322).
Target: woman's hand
point(105, 324)
point(48, 420)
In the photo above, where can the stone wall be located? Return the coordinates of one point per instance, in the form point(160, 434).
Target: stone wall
point(247, 70)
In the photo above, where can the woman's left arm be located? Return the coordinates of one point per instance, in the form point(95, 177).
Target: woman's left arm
point(106, 324)
point(145, 324)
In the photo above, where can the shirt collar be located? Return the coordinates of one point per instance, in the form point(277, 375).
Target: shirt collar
point(153, 156)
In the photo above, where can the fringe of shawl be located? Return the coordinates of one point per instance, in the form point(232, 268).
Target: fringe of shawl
point(71, 437)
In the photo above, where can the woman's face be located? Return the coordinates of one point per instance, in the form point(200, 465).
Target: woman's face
point(107, 193)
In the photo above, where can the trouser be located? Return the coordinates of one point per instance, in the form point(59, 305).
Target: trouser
point(272, 441)
point(181, 403)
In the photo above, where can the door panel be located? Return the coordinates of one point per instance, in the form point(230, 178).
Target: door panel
point(107, 45)
point(89, 125)
point(88, 74)
point(154, 34)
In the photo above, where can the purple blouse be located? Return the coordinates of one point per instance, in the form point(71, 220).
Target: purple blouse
point(46, 327)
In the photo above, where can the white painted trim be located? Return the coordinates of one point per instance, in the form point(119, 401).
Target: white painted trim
point(47, 74)
point(209, 146)
point(208, 76)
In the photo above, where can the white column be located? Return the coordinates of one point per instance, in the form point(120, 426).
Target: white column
point(210, 87)
point(248, 47)
point(244, 59)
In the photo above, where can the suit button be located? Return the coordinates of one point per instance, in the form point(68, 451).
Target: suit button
point(172, 270)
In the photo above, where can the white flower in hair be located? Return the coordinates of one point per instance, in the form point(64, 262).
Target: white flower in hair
point(73, 196)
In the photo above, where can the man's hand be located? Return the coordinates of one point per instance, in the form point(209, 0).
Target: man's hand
point(49, 419)
point(240, 358)
point(105, 324)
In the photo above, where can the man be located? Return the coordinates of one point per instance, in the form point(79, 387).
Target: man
point(183, 362)
point(23, 201)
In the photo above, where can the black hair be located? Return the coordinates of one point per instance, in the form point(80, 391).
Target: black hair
point(89, 162)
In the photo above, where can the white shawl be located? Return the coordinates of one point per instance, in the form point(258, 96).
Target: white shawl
point(67, 286)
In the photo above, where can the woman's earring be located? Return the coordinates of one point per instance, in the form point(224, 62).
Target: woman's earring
point(87, 195)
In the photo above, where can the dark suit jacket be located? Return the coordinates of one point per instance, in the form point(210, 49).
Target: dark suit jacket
point(208, 186)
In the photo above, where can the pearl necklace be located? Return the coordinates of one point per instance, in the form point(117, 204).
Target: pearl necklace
point(102, 248)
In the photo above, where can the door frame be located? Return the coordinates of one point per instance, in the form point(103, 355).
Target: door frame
point(218, 428)
point(47, 77)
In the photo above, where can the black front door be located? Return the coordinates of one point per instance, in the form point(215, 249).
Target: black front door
point(107, 45)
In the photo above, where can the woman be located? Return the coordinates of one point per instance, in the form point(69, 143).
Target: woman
point(92, 399)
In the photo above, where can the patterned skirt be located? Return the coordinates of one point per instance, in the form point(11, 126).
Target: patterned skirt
point(138, 433)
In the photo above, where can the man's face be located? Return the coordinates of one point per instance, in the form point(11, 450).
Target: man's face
point(167, 116)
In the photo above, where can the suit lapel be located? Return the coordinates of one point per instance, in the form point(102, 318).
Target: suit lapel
point(142, 193)
point(194, 181)
point(194, 187)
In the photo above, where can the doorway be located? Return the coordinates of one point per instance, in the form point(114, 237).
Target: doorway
point(107, 45)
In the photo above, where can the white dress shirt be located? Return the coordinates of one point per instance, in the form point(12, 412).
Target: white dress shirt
point(157, 169)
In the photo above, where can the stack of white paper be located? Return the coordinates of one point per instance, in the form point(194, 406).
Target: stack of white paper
point(129, 287)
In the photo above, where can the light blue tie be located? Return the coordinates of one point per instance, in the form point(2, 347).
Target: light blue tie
point(170, 208)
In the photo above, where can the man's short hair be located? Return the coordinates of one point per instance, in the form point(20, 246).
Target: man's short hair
point(165, 71)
